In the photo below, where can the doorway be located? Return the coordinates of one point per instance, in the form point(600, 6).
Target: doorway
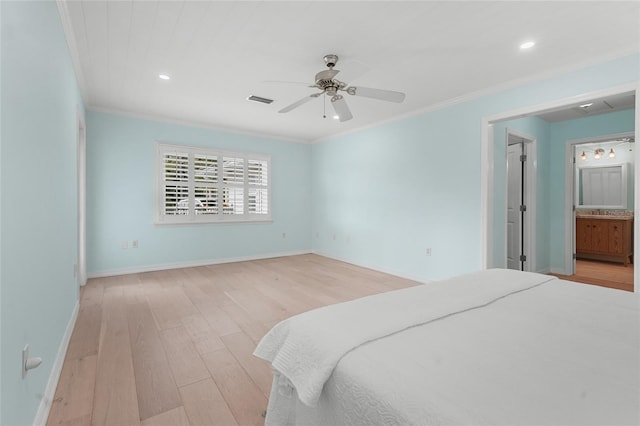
point(490, 173)
point(600, 181)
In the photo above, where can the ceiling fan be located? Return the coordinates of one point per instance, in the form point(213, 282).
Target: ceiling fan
point(325, 80)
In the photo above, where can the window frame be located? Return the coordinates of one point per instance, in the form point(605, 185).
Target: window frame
point(161, 218)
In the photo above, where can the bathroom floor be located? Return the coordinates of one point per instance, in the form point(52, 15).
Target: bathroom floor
point(606, 274)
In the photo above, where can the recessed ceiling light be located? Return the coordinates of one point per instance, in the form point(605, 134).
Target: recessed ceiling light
point(586, 105)
point(164, 77)
point(527, 45)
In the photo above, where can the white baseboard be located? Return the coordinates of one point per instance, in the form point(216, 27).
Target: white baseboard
point(45, 403)
point(556, 271)
point(385, 271)
point(190, 264)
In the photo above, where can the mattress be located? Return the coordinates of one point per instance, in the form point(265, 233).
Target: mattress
point(548, 352)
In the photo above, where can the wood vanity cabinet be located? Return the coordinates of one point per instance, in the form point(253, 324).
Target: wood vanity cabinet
point(604, 238)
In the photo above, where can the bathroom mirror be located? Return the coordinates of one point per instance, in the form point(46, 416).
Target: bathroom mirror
point(602, 187)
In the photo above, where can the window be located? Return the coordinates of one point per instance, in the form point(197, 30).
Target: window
point(199, 185)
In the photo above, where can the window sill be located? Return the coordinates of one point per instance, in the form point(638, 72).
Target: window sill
point(211, 222)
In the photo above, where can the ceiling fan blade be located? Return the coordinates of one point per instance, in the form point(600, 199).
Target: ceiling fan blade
point(290, 83)
point(383, 95)
point(300, 102)
point(341, 108)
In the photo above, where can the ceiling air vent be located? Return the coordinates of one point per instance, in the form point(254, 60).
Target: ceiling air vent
point(259, 99)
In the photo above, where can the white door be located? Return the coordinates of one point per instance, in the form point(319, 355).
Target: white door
point(514, 201)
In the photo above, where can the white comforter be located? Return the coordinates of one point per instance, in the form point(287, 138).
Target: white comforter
point(306, 348)
point(497, 347)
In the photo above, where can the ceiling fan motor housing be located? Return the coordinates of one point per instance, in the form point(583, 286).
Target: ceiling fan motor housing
point(325, 77)
point(326, 82)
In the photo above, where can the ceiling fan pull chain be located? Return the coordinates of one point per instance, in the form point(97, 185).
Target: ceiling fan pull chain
point(324, 107)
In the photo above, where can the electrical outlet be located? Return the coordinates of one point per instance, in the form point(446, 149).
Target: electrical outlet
point(134, 244)
point(428, 251)
point(124, 245)
point(284, 235)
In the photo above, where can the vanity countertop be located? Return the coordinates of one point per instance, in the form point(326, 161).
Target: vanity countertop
point(604, 216)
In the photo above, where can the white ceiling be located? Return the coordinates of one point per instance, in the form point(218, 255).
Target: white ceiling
point(219, 53)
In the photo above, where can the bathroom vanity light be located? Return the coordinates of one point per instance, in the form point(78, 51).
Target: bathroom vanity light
point(598, 153)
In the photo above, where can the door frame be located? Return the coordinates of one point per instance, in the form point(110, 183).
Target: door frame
point(570, 188)
point(487, 148)
point(529, 234)
point(81, 176)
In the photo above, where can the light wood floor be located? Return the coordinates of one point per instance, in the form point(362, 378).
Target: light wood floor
point(606, 274)
point(175, 347)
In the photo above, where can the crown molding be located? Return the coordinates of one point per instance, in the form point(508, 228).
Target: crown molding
point(196, 124)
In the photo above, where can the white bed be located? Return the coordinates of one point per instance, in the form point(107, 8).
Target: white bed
point(497, 347)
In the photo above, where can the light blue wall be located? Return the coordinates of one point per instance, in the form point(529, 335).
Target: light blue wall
point(385, 195)
point(389, 192)
point(38, 292)
point(121, 198)
point(537, 129)
point(581, 128)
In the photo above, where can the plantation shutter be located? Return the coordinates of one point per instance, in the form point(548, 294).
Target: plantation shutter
point(205, 181)
point(233, 188)
point(205, 185)
point(176, 183)
point(258, 197)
